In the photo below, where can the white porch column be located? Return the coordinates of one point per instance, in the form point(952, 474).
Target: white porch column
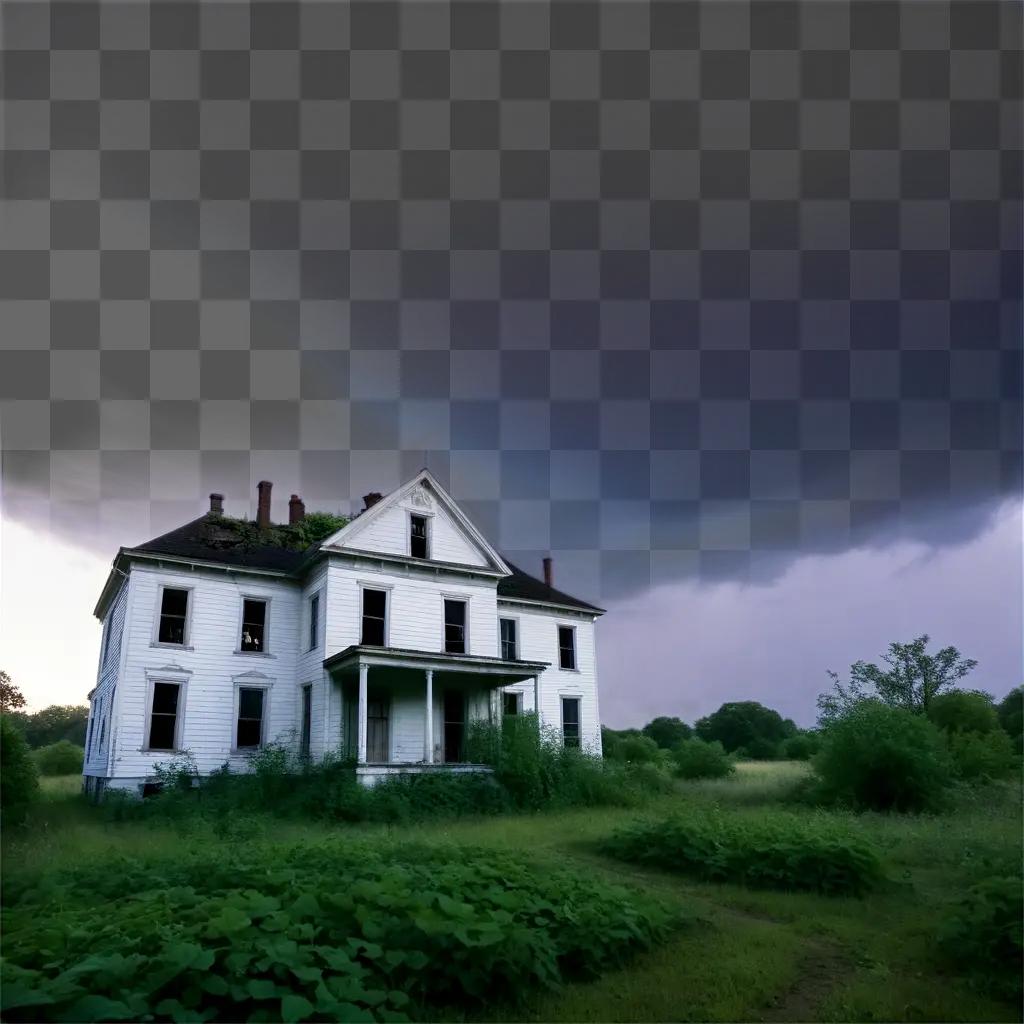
point(361, 716)
point(536, 698)
point(428, 728)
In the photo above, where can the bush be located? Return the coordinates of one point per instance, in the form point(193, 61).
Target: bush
point(801, 747)
point(876, 757)
point(982, 757)
point(1011, 717)
point(19, 778)
point(695, 759)
point(638, 750)
point(983, 937)
point(760, 750)
point(963, 711)
point(325, 931)
point(781, 853)
point(63, 758)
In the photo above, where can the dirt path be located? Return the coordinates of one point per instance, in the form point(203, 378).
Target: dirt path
point(820, 973)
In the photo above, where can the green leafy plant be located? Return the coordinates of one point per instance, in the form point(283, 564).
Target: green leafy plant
point(982, 757)
point(19, 778)
point(781, 852)
point(61, 758)
point(322, 931)
point(697, 759)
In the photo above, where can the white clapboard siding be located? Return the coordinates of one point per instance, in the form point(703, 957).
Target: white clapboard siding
point(388, 533)
point(209, 662)
point(101, 705)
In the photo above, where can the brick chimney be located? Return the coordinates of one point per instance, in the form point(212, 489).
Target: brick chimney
point(216, 504)
point(371, 499)
point(263, 504)
point(296, 510)
point(547, 572)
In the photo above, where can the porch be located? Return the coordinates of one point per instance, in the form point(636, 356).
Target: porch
point(407, 711)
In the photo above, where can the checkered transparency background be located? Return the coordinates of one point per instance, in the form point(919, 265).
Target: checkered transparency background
point(665, 288)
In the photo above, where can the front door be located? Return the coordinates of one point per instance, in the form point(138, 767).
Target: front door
point(377, 731)
point(454, 725)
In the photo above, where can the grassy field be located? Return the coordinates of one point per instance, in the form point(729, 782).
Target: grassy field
point(749, 955)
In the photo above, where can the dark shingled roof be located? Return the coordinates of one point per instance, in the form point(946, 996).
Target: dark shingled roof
point(213, 539)
point(529, 588)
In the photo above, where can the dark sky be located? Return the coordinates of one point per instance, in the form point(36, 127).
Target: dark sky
point(684, 293)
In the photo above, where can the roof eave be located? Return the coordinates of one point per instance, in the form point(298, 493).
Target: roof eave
point(560, 605)
point(156, 556)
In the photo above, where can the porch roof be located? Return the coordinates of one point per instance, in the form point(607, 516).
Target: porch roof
point(403, 657)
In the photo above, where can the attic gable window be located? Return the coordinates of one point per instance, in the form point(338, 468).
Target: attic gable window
point(454, 627)
point(254, 625)
point(418, 536)
point(173, 616)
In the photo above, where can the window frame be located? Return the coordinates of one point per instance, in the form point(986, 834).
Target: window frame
point(514, 619)
point(265, 651)
point(462, 599)
point(385, 589)
point(179, 716)
point(575, 667)
point(250, 684)
point(185, 645)
point(313, 626)
point(518, 695)
point(578, 698)
point(428, 535)
point(305, 690)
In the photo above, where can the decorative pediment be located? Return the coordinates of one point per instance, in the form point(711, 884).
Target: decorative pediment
point(419, 498)
point(252, 676)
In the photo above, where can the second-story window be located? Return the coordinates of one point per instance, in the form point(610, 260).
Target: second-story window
point(375, 606)
point(173, 616)
point(254, 625)
point(314, 621)
point(454, 626)
point(418, 536)
point(507, 628)
point(566, 647)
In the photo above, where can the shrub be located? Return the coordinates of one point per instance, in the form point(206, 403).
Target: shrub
point(963, 711)
point(981, 757)
point(983, 937)
point(326, 931)
point(637, 750)
point(876, 757)
point(19, 778)
point(696, 759)
point(800, 747)
point(62, 758)
point(760, 750)
point(1011, 717)
point(783, 852)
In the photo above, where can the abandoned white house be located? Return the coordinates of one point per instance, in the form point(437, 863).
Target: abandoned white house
point(382, 640)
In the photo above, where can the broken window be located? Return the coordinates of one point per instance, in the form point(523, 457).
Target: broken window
point(570, 721)
point(163, 721)
point(507, 628)
point(314, 620)
point(173, 616)
point(375, 606)
point(254, 624)
point(566, 647)
point(418, 536)
point(455, 627)
point(251, 700)
point(513, 702)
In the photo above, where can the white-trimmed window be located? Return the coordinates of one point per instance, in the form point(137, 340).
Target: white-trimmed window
point(314, 621)
point(250, 716)
point(571, 721)
point(567, 647)
point(454, 626)
point(419, 541)
point(512, 702)
point(166, 704)
point(172, 627)
point(373, 630)
point(509, 635)
point(253, 639)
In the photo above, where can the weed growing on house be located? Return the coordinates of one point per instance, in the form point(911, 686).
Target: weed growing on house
point(318, 931)
point(781, 852)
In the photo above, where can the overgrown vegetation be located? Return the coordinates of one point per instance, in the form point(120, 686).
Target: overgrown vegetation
point(62, 758)
point(327, 931)
point(781, 852)
point(19, 779)
point(696, 759)
point(311, 529)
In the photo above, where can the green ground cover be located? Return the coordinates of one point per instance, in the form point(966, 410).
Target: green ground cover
point(739, 953)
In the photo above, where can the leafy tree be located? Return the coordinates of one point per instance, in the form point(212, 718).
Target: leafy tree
point(802, 746)
point(742, 723)
point(911, 681)
point(637, 750)
point(1011, 715)
point(981, 756)
point(696, 759)
point(667, 732)
point(611, 738)
point(11, 698)
point(53, 724)
point(19, 780)
point(964, 711)
point(61, 758)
